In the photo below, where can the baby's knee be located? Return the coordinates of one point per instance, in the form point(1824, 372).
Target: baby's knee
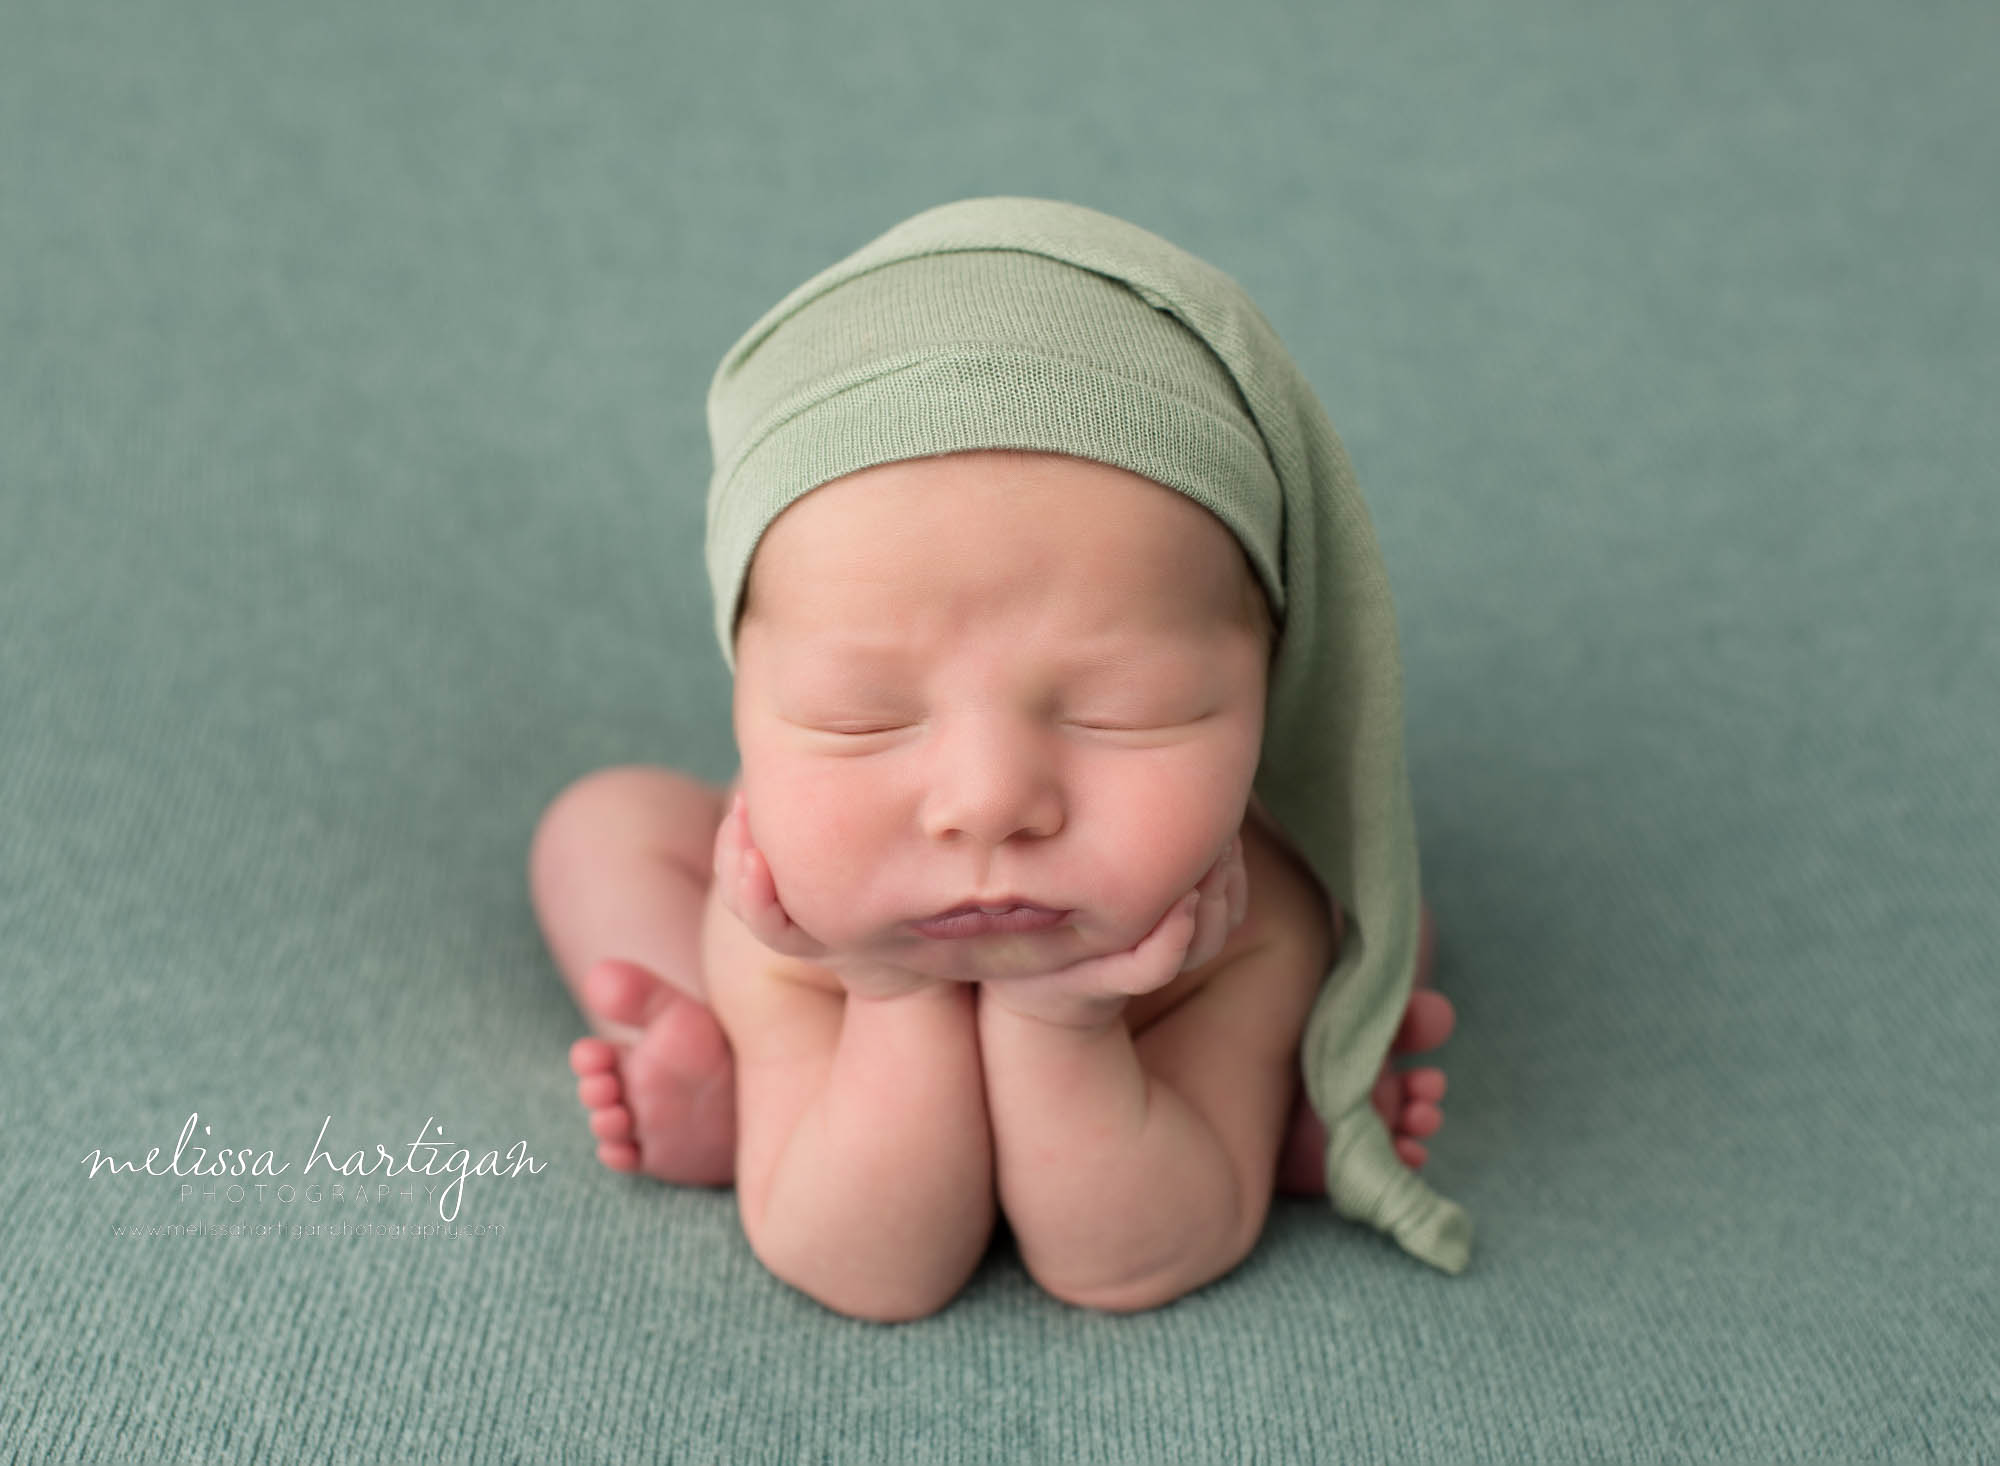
point(632, 805)
point(590, 798)
point(571, 821)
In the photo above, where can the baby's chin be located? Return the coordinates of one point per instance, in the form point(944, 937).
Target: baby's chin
point(996, 957)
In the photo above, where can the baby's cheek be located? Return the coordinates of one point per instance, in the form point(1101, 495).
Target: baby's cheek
point(1141, 879)
point(825, 856)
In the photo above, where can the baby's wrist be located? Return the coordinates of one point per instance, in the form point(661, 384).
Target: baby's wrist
point(1067, 1013)
point(876, 982)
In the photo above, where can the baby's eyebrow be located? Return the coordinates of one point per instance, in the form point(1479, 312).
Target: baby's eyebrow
point(851, 657)
point(883, 666)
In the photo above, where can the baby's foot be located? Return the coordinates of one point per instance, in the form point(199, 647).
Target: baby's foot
point(664, 1104)
point(1407, 1100)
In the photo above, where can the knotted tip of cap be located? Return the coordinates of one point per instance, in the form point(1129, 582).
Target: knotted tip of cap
point(1369, 1183)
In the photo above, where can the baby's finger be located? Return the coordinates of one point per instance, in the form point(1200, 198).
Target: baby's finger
point(1217, 914)
point(1172, 938)
point(772, 924)
point(1237, 884)
point(748, 889)
point(1152, 962)
point(732, 842)
point(1211, 928)
point(732, 859)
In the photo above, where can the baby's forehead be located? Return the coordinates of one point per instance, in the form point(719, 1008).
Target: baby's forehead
point(994, 528)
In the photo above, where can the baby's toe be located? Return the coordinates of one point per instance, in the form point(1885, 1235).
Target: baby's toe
point(589, 1056)
point(1427, 1023)
point(1412, 1154)
point(613, 1122)
point(599, 1090)
point(619, 1156)
point(1420, 1119)
point(1424, 1084)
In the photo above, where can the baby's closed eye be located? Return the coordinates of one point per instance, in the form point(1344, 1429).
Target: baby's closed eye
point(1134, 722)
point(856, 738)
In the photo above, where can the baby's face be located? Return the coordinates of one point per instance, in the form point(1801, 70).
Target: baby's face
point(991, 675)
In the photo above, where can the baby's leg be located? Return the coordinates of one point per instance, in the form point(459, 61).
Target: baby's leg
point(618, 874)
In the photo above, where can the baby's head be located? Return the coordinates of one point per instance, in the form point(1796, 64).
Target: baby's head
point(995, 547)
point(996, 674)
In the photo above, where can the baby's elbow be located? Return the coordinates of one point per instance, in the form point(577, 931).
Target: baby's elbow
point(1155, 1287)
point(1138, 1295)
point(854, 1293)
point(873, 1284)
point(1131, 1297)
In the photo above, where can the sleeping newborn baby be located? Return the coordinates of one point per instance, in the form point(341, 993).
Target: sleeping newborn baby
point(1069, 873)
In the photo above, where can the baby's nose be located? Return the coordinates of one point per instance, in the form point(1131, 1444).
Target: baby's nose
point(990, 790)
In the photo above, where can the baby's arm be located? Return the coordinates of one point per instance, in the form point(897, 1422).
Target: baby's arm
point(864, 1163)
point(864, 1158)
point(1134, 1170)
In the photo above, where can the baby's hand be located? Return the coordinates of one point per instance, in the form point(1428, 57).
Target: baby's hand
point(744, 882)
point(1223, 901)
point(1092, 993)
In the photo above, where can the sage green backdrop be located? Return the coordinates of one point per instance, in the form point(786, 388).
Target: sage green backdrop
point(351, 465)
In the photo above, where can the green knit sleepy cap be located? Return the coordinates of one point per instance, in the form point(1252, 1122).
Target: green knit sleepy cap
point(1031, 324)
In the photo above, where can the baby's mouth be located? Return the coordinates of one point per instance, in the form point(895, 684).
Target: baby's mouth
point(980, 921)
